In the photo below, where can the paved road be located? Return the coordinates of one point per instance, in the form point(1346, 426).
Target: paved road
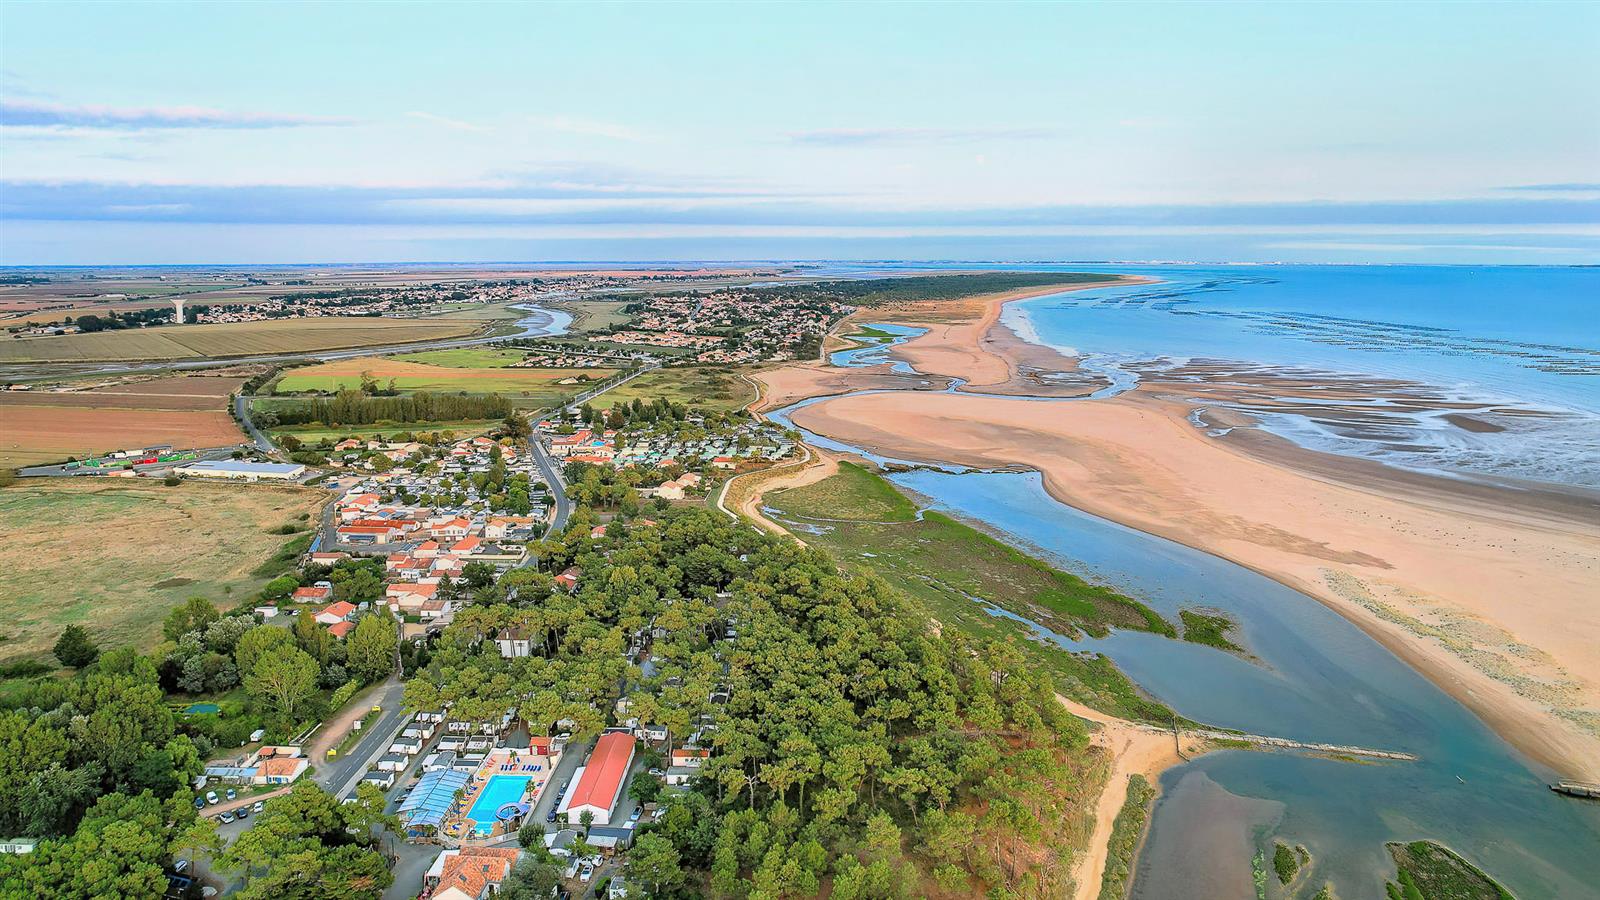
point(241, 409)
point(558, 489)
point(341, 775)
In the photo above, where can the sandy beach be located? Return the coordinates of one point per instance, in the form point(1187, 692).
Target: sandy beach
point(1486, 591)
point(1134, 750)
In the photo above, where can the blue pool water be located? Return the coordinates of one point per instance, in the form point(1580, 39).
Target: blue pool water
point(500, 790)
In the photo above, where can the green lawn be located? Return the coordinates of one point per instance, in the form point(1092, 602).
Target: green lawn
point(311, 434)
point(707, 387)
point(943, 563)
point(466, 357)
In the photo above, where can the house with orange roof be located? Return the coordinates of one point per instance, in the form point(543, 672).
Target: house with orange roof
point(317, 593)
point(282, 770)
point(334, 613)
point(340, 629)
point(471, 873)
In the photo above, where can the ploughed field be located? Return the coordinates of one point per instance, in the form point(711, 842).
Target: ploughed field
point(232, 339)
point(48, 426)
point(115, 555)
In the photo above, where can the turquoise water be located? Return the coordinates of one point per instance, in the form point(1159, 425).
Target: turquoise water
point(500, 790)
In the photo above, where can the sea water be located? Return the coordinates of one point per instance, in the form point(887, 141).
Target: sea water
point(1509, 340)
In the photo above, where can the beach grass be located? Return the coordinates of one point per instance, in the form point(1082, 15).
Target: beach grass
point(1435, 872)
point(1208, 629)
point(1127, 832)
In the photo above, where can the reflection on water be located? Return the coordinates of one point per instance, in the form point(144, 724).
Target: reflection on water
point(1316, 677)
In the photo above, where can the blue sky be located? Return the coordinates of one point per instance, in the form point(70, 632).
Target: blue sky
point(173, 133)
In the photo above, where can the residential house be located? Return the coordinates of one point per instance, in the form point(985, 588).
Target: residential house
point(471, 873)
point(334, 613)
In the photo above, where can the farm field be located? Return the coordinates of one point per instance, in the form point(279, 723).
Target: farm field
point(44, 427)
point(237, 339)
point(707, 387)
point(411, 376)
point(465, 357)
point(115, 555)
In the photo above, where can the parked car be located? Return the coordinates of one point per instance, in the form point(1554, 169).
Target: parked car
point(233, 794)
point(243, 812)
point(212, 798)
point(586, 874)
point(551, 815)
point(258, 806)
point(226, 818)
point(199, 803)
point(637, 812)
point(181, 866)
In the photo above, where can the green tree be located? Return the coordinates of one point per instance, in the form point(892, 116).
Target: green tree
point(283, 679)
point(535, 877)
point(369, 650)
point(654, 862)
point(255, 644)
point(311, 637)
point(75, 648)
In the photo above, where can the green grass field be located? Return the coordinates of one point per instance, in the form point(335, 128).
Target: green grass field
point(312, 434)
point(537, 385)
point(596, 315)
point(943, 563)
point(466, 357)
point(116, 555)
point(706, 387)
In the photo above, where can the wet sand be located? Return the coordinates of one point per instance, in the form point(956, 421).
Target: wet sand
point(1487, 591)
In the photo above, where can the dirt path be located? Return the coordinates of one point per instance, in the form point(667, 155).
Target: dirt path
point(1134, 751)
point(337, 728)
point(742, 495)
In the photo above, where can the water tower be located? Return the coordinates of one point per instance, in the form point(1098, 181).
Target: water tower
point(177, 304)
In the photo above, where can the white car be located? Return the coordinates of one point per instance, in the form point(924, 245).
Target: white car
point(212, 798)
point(586, 874)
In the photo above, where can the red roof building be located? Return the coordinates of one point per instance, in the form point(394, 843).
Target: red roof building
point(601, 782)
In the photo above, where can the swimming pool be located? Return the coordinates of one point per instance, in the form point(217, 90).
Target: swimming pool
point(500, 790)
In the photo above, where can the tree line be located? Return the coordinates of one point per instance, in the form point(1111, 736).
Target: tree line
point(353, 407)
